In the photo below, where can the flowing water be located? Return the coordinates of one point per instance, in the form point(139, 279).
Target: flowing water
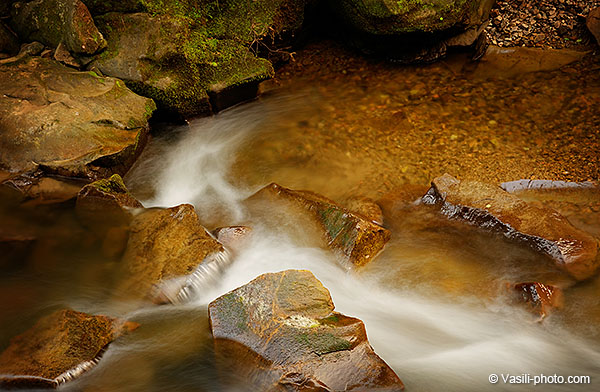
point(434, 302)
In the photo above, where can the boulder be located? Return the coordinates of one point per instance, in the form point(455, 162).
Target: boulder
point(58, 348)
point(54, 21)
point(593, 23)
point(69, 123)
point(164, 245)
point(412, 31)
point(47, 190)
point(280, 332)
point(541, 298)
point(392, 17)
point(194, 60)
point(355, 239)
point(543, 229)
point(106, 200)
point(366, 208)
point(9, 43)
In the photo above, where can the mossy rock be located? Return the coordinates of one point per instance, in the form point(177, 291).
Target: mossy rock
point(54, 21)
point(194, 57)
point(282, 327)
point(392, 17)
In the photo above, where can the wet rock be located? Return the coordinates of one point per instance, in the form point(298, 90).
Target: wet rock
point(521, 185)
point(593, 23)
point(515, 61)
point(8, 40)
point(106, 200)
point(365, 207)
point(355, 239)
point(280, 332)
point(54, 21)
point(544, 229)
point(50, 191)
point(58, 348)
point(164, 245)
point(233, 237)
point(396, 202)
point(69, 123)
point(540, 297)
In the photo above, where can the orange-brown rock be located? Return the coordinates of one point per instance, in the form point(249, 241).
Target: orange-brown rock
point(366, 208)
point(280, 333)
point(58, 348)
point(397, 202)
point(541, 298)
point(545, 230)
point(106, 200)
point(163, 244)
point(357, 240)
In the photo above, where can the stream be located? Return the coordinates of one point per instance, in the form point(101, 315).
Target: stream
point(434, 302)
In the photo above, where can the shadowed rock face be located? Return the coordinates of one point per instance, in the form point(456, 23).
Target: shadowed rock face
point(540, 297)
point(163, 244)
point(104, 200)
point(54, 21)
point(67, 122)
point(544, 229)
point(356, 239)
point(593, 23)
point(58, 348)
point(280, 331)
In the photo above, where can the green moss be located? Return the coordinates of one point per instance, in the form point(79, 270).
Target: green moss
point(111, 185)
point(233, 311)
point(322, 342)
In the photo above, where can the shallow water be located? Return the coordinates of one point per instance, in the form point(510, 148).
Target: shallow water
point(434, 302)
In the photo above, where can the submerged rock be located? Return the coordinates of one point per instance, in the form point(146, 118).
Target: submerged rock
point(280, 332)
point(164, 245)
point(58, 348)
point(106, 200)
point(54, 21)
point(397, 202)
point(541, 298)
point(492, 208)
point(67, 122)
point(357, 240)
point(593, 23)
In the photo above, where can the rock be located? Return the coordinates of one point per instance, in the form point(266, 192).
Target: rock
point(106, 200)
point(543, 229)
point(280, 332)
point(355, 239)
point(233, 237)
point(58, 348)
point(390, 17)
point(49, 190)
point(411, 31)
point(164, 244)
point(541, 298)
point(8, 40)
point(54, 21)
point(62, 55)
point(366, 208)
point(194, 60)
point(68, 123)
point(515, 61)
point(397, 202)
point(593, 23)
